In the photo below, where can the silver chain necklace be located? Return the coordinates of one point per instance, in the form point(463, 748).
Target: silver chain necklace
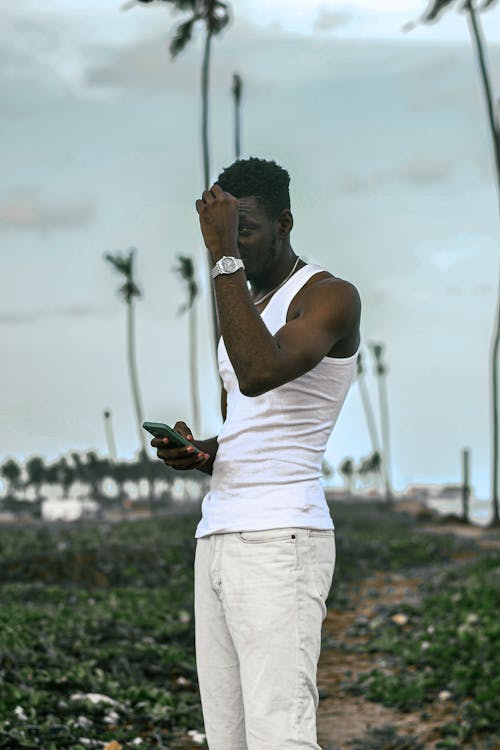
point(258, 301)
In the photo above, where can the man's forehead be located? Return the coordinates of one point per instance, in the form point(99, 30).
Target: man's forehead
point(249, 204)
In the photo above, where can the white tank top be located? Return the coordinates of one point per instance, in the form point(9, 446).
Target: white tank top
point(266, 473)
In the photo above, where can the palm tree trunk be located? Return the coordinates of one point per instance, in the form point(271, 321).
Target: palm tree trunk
point(479, 48)
point(370, 417)
point(237, 115)
point(134, 382)
point(205, 70)
point(384, 421)
point(193, 368)
point(110, 438)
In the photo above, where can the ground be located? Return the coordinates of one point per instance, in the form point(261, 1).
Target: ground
point(343, 717)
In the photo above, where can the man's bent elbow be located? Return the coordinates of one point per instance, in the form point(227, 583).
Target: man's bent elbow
point(253, 388)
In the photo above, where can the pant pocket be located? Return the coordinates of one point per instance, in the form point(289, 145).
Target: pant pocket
point(323, 553)
point(266, 535)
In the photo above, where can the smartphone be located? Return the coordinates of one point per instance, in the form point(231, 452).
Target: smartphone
point(161, 430)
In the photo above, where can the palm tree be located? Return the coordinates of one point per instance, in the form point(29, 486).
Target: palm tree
point(472, 8)
point(185, 271)
point(79, 475)
point(214, 15)
point(11, 471)
point(347, 469)
point(124, 265)
point(110, 438)
point(381, 371)
point(367, 407)
point(236, 91)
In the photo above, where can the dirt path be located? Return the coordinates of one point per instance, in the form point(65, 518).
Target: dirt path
point(343, 717)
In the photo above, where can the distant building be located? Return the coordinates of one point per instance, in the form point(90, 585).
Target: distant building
point(445, 492)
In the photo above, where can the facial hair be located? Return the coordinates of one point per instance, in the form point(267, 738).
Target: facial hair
point(258, 278)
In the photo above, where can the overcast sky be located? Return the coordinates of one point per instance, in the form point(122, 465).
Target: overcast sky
point(392, 188)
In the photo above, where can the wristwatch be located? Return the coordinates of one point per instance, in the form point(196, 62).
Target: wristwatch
point(227, 264)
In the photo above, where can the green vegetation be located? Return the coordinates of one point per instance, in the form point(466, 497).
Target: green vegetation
point(107, 609)
point(446, 649)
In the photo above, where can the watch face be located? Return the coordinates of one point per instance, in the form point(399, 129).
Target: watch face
point(228, 265)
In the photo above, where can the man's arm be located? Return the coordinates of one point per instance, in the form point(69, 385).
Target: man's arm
point(330, 311)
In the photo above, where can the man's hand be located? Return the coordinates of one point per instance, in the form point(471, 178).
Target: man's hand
point(184, 458)
point(218, 212)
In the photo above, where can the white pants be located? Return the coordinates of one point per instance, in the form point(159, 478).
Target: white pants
point(259, 607)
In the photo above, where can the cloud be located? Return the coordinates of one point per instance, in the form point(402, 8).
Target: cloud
point(328, 20)
point(69, 311)
point(26, 208)
point(421, 170)
point(142, 65)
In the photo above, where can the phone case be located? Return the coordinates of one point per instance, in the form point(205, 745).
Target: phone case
point(160, 430)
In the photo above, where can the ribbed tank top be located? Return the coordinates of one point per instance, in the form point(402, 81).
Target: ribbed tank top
point(267, 470)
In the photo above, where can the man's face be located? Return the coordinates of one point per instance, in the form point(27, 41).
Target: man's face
point(258, 241)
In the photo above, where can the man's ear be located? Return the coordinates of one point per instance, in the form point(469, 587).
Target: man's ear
point(285, 222)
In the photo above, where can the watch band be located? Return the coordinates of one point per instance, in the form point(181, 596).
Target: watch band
point(227, 264)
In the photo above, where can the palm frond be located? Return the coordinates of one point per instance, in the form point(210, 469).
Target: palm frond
point(185, 270)
point(130, 290)
point(123, 263)
point(183, 35)
point(119, 263)
point(433, 12)
point(487, 4)
point(436, 9)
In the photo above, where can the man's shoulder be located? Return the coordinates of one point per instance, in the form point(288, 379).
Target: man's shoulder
point(325, 286)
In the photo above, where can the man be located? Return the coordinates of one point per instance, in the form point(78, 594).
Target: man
point(265, 551)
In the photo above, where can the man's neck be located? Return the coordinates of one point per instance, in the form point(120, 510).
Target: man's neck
point(273, 277)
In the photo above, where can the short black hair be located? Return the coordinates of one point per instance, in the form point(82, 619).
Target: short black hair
point(265, 180)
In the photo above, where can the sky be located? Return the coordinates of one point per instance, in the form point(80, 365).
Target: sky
point(392, 187)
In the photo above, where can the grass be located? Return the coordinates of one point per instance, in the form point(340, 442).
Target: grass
point(448, 650)
point(108, 609)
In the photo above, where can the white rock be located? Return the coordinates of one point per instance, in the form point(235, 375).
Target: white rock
point(19, 712)
point(444, 695)
point(183, 681)
point(83, 721)
point(111, 717)
point(196, 736)
point(94, 698)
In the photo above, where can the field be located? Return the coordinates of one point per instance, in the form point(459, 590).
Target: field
point(97, 636)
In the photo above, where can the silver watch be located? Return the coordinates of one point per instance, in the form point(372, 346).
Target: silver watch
point(227, 264)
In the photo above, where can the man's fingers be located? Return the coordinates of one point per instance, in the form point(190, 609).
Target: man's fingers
point(217, 191)
point(189, 462)
point(184, 430)
point(207, 196)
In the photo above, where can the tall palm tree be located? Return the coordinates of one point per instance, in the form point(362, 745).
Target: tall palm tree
point(110, 438)
point(381, 371)
point(236, 91)
point(124, 264)
point(472, 10)
point(214, 15)
point(367, 407)
point(185, 270)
